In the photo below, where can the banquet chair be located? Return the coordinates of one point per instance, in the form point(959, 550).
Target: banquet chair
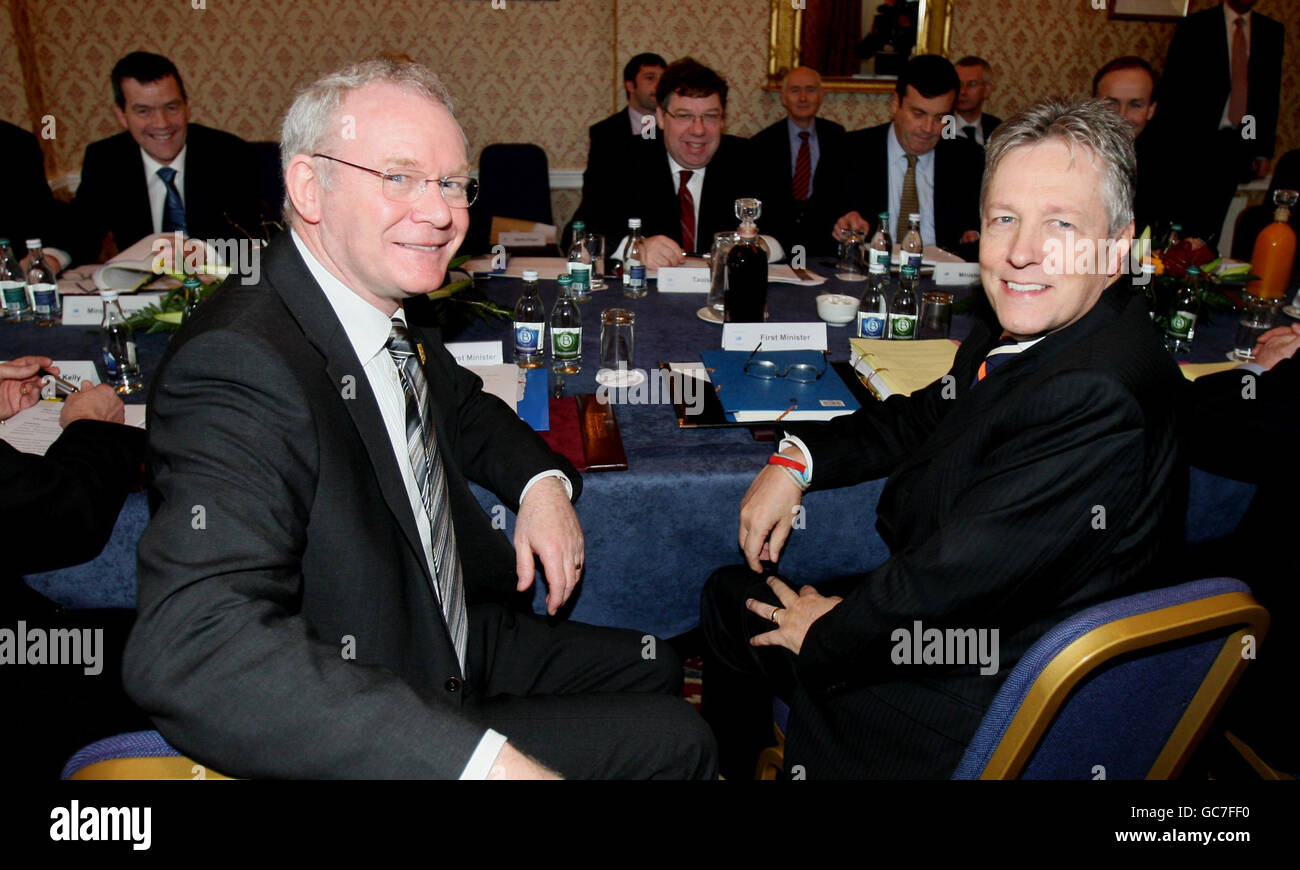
point(135, 755)
point(515, 183)
point(1125, 689)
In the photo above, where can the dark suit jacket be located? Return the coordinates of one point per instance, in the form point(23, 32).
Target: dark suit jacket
point(988, 123)
point(958, 169)
point(34, 211)
point(990, 513)
point(1229, 410)
point(220, 191)
point(1198, 77)
point(807, 223)
point(647, 189)
point(80, 483)
point(262, 415)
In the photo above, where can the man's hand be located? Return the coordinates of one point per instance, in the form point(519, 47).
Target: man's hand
point(767, 512)
point(513, 764)
point(851, 221)
point(797, 613)
point(20, 383)
point(1276, 345)
point(1261, 166)
point(93, 403)
point(548, 528)
point(662, 251)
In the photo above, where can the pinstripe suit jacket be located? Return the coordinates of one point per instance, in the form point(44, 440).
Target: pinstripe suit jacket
point(1050, 486)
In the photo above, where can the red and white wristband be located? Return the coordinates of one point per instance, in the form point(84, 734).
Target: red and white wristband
point(797, 470)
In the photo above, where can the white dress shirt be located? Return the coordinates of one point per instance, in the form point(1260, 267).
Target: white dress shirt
point(157, 189)
point(924, 188)
point(978, 124)
point(367, 328)
point(634, 118)
point(1230, 18)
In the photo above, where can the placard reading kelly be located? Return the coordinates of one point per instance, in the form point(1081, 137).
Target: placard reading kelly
point(774, 336)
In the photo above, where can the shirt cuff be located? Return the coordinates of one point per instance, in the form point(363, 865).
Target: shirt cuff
point(485, 755)
point(618, 252)
point(793, 441)
point(554, 472)
point(1254, 368)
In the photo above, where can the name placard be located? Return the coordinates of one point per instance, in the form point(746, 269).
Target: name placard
point(476, 353)
point(684, 279)
point(956, 274)
point(774, 336)
point(88, 310)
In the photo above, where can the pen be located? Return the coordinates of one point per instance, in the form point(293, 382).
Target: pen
point(63, 385)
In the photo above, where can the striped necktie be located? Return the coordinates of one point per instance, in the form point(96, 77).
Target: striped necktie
point(687, 203)
point(173, 208)
point(426, 463)
point(1004, 351)
point(1240, 72)
point(802, 169)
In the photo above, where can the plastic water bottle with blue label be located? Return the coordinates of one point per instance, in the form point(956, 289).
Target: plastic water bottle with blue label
point(873, 309)
point(13, 285)
point(634, 280)
point(530, 324)
point(117, 340)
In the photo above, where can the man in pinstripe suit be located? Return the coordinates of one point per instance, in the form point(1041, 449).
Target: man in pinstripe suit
point(1039, 477)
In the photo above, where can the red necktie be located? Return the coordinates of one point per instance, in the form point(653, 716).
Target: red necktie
point(1240, 73)
point(802, 169)
point(688, 212)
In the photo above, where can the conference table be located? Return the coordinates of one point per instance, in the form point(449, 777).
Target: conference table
point(655, 531)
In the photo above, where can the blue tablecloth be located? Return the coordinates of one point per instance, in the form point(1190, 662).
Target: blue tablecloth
point(656, 531)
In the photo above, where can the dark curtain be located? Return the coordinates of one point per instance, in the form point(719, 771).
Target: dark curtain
point(831, 28)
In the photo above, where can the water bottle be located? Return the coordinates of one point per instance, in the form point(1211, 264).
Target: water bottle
point(903, 308)
point(117, 340)
point(566, 331)
point(13, 284)
point(882, 246)
point(873, 309)
point(529, 324)
point(634, 280)
point(580, 264)
point(193, 295)
point(1183, 310)
point(42, 289)
point(912, 243)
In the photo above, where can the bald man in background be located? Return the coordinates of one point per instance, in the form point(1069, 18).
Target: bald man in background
point(800, 160)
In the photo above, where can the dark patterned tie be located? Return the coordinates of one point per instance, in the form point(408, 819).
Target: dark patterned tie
point(688, 212)
point(802, 169)
point(910, 202)
point(426, 462)
point(173, 208)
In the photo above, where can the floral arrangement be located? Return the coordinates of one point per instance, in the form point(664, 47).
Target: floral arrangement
point(1217, 287)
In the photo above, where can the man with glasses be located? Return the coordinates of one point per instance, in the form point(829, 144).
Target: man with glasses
point(320, 593)
point(685, 189)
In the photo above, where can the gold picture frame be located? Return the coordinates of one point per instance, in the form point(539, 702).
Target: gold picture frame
point(934, 27)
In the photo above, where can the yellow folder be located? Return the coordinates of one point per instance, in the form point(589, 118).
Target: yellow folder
point(900, 367)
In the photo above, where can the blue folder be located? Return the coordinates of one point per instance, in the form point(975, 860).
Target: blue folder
point(748, 399)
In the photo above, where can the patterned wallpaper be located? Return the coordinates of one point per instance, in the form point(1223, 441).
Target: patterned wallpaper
point(533, 71)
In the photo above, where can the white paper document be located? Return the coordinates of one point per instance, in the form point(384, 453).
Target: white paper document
point(502, 381)
point(35, 429)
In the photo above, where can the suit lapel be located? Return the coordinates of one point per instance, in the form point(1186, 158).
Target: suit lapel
point(304, 298)
point(135, 207)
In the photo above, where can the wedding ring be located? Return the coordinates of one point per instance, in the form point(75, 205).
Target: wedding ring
point(772, 618)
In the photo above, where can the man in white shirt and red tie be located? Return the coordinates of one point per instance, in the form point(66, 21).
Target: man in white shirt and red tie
point(685, 189)
point(800, 161)
point(1220, 96)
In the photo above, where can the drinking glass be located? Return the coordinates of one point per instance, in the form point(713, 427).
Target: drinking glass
point(596, 245)
point(617, 360)
point(722, 243)
point(851, 250)
point(936, 314)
